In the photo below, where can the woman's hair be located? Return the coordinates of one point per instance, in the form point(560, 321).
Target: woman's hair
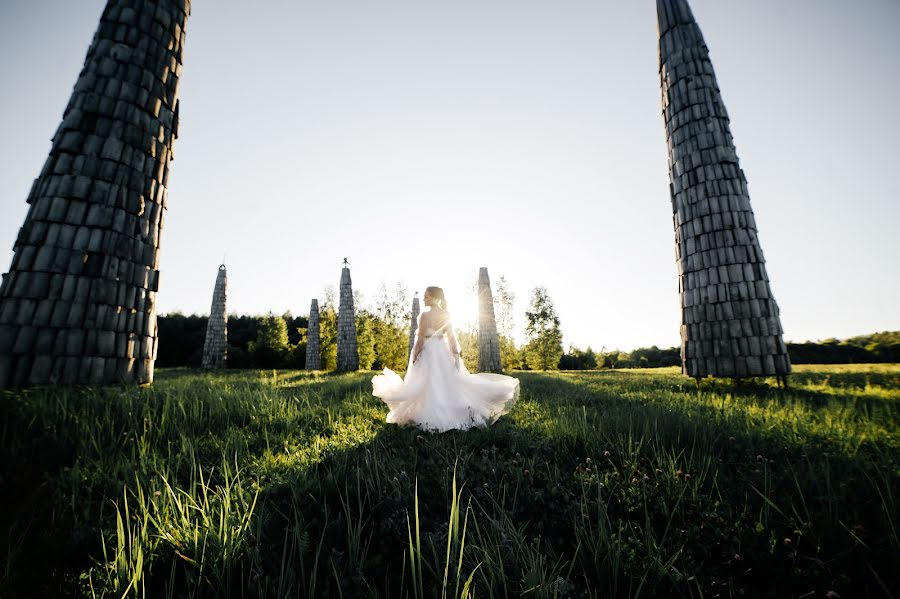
point(438, 294)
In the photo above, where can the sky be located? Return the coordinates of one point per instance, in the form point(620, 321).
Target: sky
point(423, 140)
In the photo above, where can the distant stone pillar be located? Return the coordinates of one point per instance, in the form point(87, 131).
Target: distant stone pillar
point(313, 355)
point(488, 341)
point(78, 304)
point(730, 323)
point(215, 348)
point(413, 322)
point(347, 352)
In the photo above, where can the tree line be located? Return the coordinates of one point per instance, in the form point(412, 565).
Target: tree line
point(382, 330)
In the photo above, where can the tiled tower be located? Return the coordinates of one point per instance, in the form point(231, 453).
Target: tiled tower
point(313, 355)
point(78, 304)
point(488, 341)
point(347, 352)
point(413, 321)
point(730, 323)
point(215, 348)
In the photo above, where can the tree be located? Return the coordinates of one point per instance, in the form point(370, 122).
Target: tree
point(270, 349)
point(391, 327)
point(504, 300)
point(365, 339)
point(544, 347)
point(328, 329)
point(467, 338)
point(576, 359)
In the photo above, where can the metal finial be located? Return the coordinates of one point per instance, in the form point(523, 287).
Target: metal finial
point(346, 263)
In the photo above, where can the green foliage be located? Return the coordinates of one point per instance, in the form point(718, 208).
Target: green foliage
point(468, 347)
point(597, 484)
point(270, 347)
point(576, 359)
point(883, 347)
point(510, 355)
point(328, 335)
point(644, 357)
point(365, 339)
point(544, 347)
point(391, 328)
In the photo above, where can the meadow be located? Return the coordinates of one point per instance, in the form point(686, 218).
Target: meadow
point(623, 483)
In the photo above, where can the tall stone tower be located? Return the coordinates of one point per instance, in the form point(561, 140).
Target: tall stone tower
point(347, 352)
point(730, 323)
point(313, 353)
point(78, 304)
point(488, 341)
point(215, 348)
point(413, 322)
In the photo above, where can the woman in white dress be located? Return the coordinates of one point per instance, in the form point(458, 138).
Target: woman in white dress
point(438, 392)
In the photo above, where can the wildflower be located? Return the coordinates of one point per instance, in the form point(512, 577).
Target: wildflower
point(646, 477)
point(732, 439)
point(419, 438)
point(832, 595)
point(606, 454)
point(634, 481)
point(787, 541)
point(687, 477)
point(737, 557)
point(759, 457)
point(588, 461)
point(527, 472)
point(680, 472)
point(156, 493)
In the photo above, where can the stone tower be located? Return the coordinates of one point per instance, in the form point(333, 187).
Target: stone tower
point(730, 323)
point(413, 321)
point(488, 341)
point(347, 353)
point(215, 348)
point(78, 304)
point(313, 355)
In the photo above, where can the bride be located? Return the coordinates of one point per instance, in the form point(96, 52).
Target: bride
point(438, 392)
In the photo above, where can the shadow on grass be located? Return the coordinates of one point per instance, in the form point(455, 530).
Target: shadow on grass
point(337, 486)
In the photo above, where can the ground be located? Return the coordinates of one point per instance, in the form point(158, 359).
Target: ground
point(597, 484)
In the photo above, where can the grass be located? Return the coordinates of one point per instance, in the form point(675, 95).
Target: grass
point(626, 483)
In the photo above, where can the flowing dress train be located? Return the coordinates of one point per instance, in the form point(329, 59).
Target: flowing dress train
point(438, 392)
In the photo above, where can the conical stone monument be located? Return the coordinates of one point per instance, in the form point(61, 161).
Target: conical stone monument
point(215, 347)
point(347, 352)
point(413, 322)
point(78, 304)
point(488, 341)
point(313, 353)
point(730, 323)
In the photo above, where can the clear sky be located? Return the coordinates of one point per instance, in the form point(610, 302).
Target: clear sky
point(425, 139)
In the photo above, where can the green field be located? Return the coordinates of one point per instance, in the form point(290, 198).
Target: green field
point(598, 484)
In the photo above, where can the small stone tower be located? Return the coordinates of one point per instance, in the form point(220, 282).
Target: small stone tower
point(413, 321)
point(730, 323)
point(347, 352)
point(488, 341)
point(313, 355)
point(78, 304)
point(215, 348)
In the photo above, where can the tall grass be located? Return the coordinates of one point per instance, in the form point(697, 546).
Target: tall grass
point(598, 484)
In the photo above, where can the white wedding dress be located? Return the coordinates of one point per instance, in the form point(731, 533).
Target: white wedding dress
point(440, 394)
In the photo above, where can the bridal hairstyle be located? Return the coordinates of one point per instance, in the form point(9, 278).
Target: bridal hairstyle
point(438, 294)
